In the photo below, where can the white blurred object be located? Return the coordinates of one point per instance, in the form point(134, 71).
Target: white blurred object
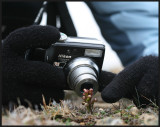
point(86, 26)
point(44, 19)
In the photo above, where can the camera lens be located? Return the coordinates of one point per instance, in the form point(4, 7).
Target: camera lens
point(86, 86)
point(82, 73)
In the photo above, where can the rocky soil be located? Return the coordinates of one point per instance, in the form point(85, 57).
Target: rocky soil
point(71, 112)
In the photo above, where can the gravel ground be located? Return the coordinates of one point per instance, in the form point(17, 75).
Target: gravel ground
point(71, 112)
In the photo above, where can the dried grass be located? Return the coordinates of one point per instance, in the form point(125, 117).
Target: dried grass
point(70, 112)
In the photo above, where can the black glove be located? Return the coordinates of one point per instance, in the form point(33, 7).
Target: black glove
point(30, 79)
point(138, 81)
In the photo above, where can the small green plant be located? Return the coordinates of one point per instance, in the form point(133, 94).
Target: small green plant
point(88, 101)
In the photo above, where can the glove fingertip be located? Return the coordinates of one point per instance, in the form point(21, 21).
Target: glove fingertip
point(110, 96)
point(53, 33)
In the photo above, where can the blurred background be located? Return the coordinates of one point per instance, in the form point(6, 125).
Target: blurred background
point(90, 29)
point(19, 14)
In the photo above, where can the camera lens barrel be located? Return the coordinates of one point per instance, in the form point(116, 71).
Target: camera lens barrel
point(82, 73)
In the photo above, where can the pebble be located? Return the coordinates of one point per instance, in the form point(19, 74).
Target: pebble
point(110, 121)
point(82, 123)
point(117, 114)
point(101, 109)
point(134, 111)
point(74, 123)
point(149, 119)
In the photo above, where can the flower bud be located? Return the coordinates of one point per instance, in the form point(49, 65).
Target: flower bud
point(91, 89)
point(84, 90)
point(83, 97)
point(89, 96)
point(95, 99)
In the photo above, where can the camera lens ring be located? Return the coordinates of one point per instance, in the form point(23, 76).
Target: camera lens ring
point(83, 69)
point(78, 68)
point(80, 82)
point(81, 61)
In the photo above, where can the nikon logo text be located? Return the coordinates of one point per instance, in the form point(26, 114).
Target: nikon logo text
point(64, 56)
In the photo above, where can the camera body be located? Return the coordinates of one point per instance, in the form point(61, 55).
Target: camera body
point(81, 59)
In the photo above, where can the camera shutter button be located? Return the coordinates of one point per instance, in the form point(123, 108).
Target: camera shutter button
point(63, 37)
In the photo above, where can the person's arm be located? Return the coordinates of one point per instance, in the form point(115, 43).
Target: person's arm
point(131, 28)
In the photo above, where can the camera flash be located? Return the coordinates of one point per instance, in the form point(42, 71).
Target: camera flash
point(93, 53)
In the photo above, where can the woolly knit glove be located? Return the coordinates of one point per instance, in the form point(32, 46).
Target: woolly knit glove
point(28, 79)
point(138, 82)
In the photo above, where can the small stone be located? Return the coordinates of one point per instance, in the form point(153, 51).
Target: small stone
point(122, 111)
point(110, 121)
point(117, 114)
point(149, 119)
point(134, 111)
point(82, 123)
point(73, 123)
point(101, 109)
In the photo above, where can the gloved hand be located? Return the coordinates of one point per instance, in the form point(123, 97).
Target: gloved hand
point(28, 79)
point(138, 81)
